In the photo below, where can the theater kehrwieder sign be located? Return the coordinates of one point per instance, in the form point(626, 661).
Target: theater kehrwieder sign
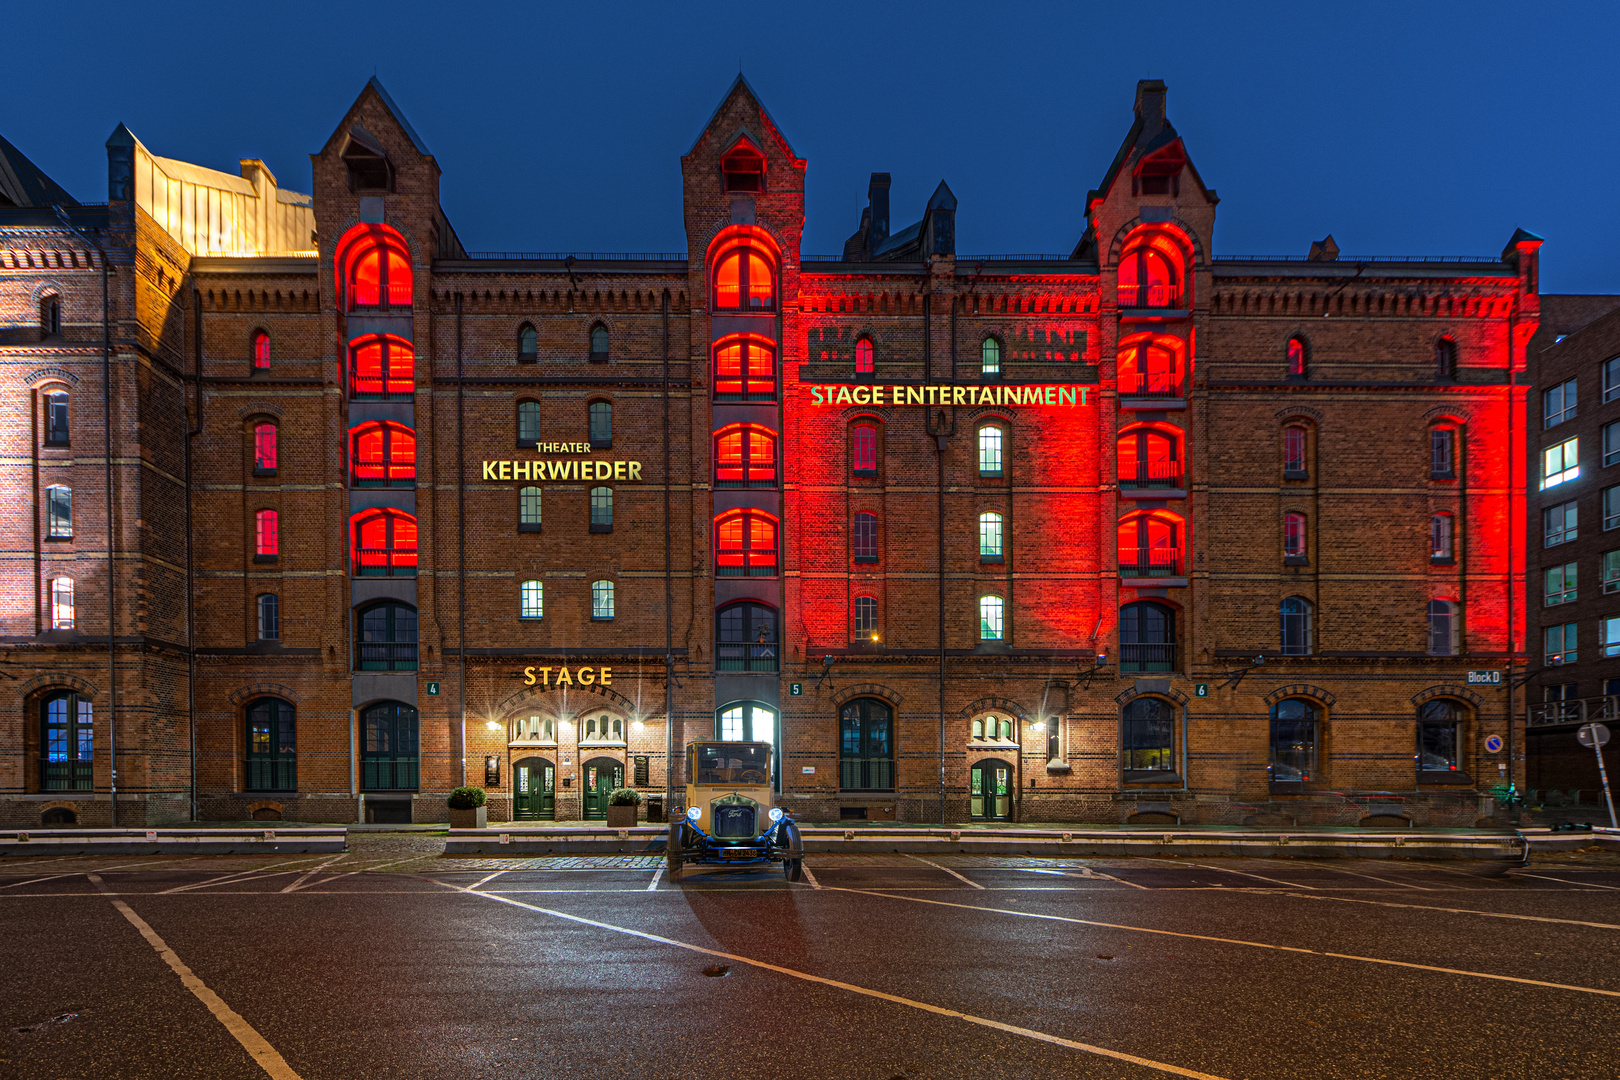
point(563, 470)
point(1064, 395)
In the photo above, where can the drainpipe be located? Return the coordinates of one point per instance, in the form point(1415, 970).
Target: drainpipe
point(191, 625)
point(1512, 769)
point(669, 592)
point(461, 541)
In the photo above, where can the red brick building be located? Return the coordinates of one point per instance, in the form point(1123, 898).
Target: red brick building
point(1128, 533)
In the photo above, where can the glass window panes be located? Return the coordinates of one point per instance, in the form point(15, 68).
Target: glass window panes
point(1440, 537)
point(1559, 584)
point(601, 599)
point(528, 343)
point(386, 638)
point(1147, 637)
point(529, 507)
point(864, 364)
point(1438, 743)
point(990, 611)
point(67, 743)
point(1296, 626)
point(59, 512)
point(62, 615)
point(599, 342)
point(601, 509)
point(1560, 463)
point(990, 536)
point(1611, 443)
point(1609, 635)
point(865, 539)
point(1558, 524)
point(269, 617)
point(1444, 628)
point(989, 451)
point(267, 540)
point(531, 600)
point(56, 418)
point(528, 422)
point(601, 424)
point(1293, 741)
point(1558, 404)
point(1294, 449)
point(1148, 739)
point(990, 357)
point(746, 638)
point(1559, 644)
point(865, 617)
point(1611, 571)
point(272, 746)
point(863, 448)
point(1442, 447)
point(1611, 507)
point(264, 446)
point(1294, 535)
point(1611, 379)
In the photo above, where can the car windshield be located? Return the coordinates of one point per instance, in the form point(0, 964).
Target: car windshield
point(731, 763)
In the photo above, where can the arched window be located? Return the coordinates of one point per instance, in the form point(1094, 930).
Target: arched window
point(744, 281)
point(1150, 275)
point(990, 358)
point(1150, 546)
point(531, 600)
point(863, 448)
point(528, 344)
point(385, 637)
point(66, 743)
point(1147, 637)
point(50, 316)
point(384, 543)
point(62, 609)
point(1445, 359)
point(990, 621)
point(1149, 369)
point(528, 509)
point(1149, 458)
point(528, 424)
point(269, 617)
point(990, 448)
point(744, 368)
point(1295, 466)
point(601, 509)
point(1441, 540)
point(259, 349)
point(1148, 739)
point(1296, 357)
point(601, 425)
point(1440, 740)
point(990, 538)
point(599, 343)
point(1293, 741)
point(389, 747)
point(1445, 628)
point(744, 456)
point(266, 534)
point(1296, 626)
point(56, 417)
point(382, 367)
point(978, 729)
point(264, 448)
point(742, 168)
point(745, 544)
point(272, 747)
point(746, 638)
point(383, 455)
point(602, 600)
point(864, 538)
point(374, 268)
point(1443, 455)
point(866, 619)
point(59, 512)
point(864, 362)
point(866, 746)
point(1293, 536)
point(745, 721)
point(603, 728)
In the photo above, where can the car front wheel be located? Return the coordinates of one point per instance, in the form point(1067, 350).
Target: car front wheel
point(793, 869)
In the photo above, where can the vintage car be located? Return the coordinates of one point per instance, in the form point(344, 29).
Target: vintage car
point(730, 818)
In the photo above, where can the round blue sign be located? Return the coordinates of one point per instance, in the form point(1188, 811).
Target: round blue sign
point(1493, 744)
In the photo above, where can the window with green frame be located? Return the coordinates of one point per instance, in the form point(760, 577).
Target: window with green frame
point(990, 447)
point(66, 743)
point(272, 747)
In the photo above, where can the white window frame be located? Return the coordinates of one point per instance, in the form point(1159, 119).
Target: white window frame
point(1559, 585)
point(602, 600)
point(59, 512)
point(1561, 463)
point(1565, 514)
point(1559, 645)
point(532, 599)
point(62, 606)
point(1558, 404)
point(992, 618)
point(992, 450)
point(991, 536)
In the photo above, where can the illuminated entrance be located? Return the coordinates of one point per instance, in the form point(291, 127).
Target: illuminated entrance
point(990, 790)
point(601, 775)
point(534, 790)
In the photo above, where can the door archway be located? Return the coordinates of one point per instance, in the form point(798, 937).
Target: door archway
point(598, 778)
point(534, 789)
point(990, 787)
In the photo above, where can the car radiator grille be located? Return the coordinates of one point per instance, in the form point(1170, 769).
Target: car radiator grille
point(730, 821)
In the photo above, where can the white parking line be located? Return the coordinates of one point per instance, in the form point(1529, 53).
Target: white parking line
point(1011, 1029)
point(237, 877)
point(486, 879)
point(947, 869)
point(1561, 881)
point(1369, 877)
point(1458, 911)
point(652, 886)
point(243, 1032)
point(1257, 877)
point(296, 885)
point(808, 876)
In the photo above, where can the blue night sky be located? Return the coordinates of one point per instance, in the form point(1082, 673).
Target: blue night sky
point(1402, 129)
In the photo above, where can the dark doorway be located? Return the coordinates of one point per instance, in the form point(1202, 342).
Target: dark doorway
point(534, 790)
point(990, 790)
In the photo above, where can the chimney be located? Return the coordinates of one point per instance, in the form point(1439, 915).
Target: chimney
point(877, 197)
point(1323, 250)
point(1150, 105)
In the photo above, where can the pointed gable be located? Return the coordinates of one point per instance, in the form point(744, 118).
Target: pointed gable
point(22, 183)
point(364, 127)
point(1151, 147)
point(769, 137)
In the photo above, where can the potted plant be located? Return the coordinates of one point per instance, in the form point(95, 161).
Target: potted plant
point(467, 809)
point(622, 805)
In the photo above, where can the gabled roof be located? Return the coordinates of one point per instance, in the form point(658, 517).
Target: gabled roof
point(776, 129)
point(416, 140)
point(1151, 131)
point(22, 183)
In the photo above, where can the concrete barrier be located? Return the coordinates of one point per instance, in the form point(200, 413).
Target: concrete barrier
point(1544, 839)
point(41, 842)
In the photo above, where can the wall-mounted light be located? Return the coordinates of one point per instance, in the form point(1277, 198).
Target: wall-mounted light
point(636, 725)
point(1037, 727)
point(493, 725)
point(874, 637)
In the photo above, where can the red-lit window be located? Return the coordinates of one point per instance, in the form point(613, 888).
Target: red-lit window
point(1296, 356)
point(260, 344)
point(1150, 546)
point(863, 356)
point(863, 441)
point(743, 168)
point(1149, 277)
point(745, 544)
point(1149, 370)
point(267, 536)
point(374, 268)
point(383, 454)
point(384, 543)
point(264, 447)
point(744, 456)
point(382, 366)
point(745, 369)
point(1149, 459)
point(744, 281)
point(1294, 536)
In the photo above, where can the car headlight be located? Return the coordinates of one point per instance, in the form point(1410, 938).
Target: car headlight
point(693, 813)
point(775, 814)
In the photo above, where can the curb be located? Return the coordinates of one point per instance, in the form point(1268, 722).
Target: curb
point(44, 842)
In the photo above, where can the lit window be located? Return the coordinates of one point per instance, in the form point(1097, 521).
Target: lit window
point(864, 364)
point(1149, 546)
point(264, 447)
point(1148, 278)
point(1611, 379)
point(865, 539)
point(601, 599)
point(260, 345)
point(1609, 635)
point(990, 357)
point(374, 267)
point(1296, 626)
point(990, 451)
point(866, 624)
point(528, 344)
point(1148, 370)
point(385, 638)
point(1147, 742)
point(747, 722)
point(531, 600)
point(381, 367)
point(67, 743)
point(1611, 508)
point(1293, 741)
point(1445, 628)
point(745, 545)
point(267, 536)
point(528, 423)
point(990, 608)
point(1148, 459)
point(990, 538)
point(269, 617)
point(742, 168)
point(744, 456)
point(383, 455)
point(599, 342)
point(1439, 737)
point(56, 418)
point(601, 509)
point(384, 543)
point(1296, 357)
point(863, 449)
point(1294, 453)
point(1294, 536)
point(743, 281)
point(744, 369)
point(529, 509)
point(1560, 644)
point(1560, 463)
point(61, 603)
point(59, 512)
point(1445, 359)
point(1440, 537)
point(1442, 452)
point(1558, 524)
point(601, 425)
point(1559, 582)
point(1558, 404)
point(1611, 571)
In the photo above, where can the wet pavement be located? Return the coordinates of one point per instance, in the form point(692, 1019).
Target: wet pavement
point(394, 961)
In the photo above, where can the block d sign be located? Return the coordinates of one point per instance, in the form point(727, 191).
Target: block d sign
point(1484, 678)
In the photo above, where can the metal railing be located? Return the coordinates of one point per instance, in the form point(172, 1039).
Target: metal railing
point(1147, 656)
point(746, 657)
point(1150, 384)
point(1353, 259)
point(370, 296)
point(579, 256)
point(389, 773)
point(1153, 474)
point(1149, 562)
point(386, 655)
point(1605, 710)
point(382, 387)
point(1158, 296)
point(385, 562)
point(272, 774)
point(866, 774)
point(69, 775)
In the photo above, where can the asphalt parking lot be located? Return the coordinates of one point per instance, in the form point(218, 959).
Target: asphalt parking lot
point(388, 962)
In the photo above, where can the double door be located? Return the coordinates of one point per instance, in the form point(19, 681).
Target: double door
point(534, 790)
point(600, 776)
point(990, 790)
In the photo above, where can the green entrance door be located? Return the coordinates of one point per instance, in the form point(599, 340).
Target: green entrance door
point(990, 790)
point(602, 775)
point(534, 789)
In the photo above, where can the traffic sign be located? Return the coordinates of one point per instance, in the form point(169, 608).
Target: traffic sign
point(433, 689)
point(1201, 689)
point(1493, 744)
point(1591, 734)
point(795, 689)
point(1484, 678)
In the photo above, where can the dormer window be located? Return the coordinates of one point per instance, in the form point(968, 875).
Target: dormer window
point(743, 168)
point(367, 161)
point(1159, 173)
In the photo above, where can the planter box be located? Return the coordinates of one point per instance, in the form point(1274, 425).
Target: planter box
point(477, 818)
point(622, 817)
